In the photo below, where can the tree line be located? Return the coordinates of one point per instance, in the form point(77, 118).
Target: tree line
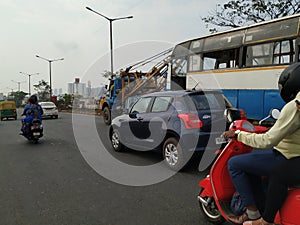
point(42, 90)
point(239, 13)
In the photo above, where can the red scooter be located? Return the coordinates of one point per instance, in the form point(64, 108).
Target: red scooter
point(217, 188)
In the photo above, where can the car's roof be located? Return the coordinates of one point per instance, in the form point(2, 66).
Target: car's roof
point(46, 102)
point(178, 93)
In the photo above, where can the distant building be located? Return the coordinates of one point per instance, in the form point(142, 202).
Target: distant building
point(86, 91)
point(57, 91)
point(77, 89)
point(89, 89)
point(80, 89)
point(71, 89)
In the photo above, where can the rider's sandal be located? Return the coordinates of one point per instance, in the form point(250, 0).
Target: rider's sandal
point(260, 221)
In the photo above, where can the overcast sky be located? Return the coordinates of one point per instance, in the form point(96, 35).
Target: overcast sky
point(66, 29)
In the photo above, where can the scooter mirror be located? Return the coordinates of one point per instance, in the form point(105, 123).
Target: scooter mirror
point(275, 113)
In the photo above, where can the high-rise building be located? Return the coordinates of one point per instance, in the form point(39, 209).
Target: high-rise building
point(71, 88)
point(81, 89)
point(77, 89)
point(89, 89)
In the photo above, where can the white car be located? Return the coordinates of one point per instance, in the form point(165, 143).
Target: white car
point(50, 109)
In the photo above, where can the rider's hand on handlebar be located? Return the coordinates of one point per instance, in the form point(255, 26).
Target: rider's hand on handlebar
point(229, 134)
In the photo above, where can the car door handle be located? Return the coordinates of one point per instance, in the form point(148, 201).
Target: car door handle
point(140, 118)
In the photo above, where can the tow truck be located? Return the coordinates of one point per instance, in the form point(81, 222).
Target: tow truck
point(123, 90)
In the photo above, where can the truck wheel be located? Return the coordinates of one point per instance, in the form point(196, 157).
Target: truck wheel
point(106, 116)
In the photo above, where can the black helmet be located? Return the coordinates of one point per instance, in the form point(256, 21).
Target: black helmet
point(33, 99)
point(289, 82)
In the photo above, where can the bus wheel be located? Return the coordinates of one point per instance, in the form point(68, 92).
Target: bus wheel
point(106, 116)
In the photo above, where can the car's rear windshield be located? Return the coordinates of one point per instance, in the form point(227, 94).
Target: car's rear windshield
point(206, 101)
point(47, 104)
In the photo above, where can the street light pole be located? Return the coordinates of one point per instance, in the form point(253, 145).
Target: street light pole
point(19, 84)
point(110, 35)
point(111, 49)
point(50, 62)
point(11, 93)
point(29, 75)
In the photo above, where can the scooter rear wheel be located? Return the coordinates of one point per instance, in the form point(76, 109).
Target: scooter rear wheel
point(210, 211)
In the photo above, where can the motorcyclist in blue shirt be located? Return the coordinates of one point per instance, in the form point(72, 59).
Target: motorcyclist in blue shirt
point(32, 111)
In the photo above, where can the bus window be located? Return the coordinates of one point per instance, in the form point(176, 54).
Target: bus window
point(178, 73)
point(209, 63)
point(259, 54)
point(284, 52)
point(195, 62)
point(179, 67)
point(221, 59)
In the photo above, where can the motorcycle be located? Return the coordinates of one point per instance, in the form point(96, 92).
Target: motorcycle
point(217, 188)
point(34, 131)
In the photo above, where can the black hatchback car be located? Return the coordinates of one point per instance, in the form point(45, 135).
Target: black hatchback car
point(175, 122)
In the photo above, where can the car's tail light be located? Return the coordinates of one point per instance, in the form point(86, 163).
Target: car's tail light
point(191, 121)
point(243, 115)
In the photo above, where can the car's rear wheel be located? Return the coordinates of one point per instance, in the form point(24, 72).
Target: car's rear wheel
point(115, 141)
point(173, 154)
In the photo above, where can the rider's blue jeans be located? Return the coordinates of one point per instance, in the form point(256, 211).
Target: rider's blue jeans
point(246, 171)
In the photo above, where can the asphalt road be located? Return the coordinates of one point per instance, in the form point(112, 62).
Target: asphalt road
point(51, 183)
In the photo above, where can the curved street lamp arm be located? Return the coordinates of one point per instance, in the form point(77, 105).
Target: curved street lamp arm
point(88, 8)
point(121, 18)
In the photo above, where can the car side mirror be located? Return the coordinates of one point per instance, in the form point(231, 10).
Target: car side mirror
point(232, 115)
point(133, 115)
point(228, 115)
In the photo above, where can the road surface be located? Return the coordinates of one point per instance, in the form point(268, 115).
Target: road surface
point(51, 183)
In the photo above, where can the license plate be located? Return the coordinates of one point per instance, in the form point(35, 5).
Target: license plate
point(36, 133)
point(220, 140)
